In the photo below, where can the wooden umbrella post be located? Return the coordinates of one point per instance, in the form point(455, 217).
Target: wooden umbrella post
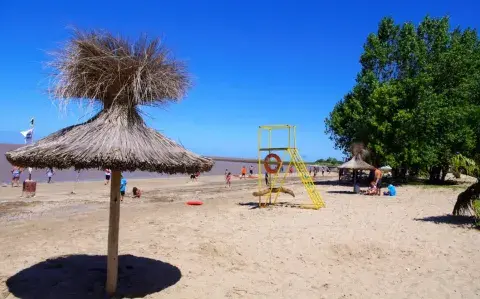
point(113, 231)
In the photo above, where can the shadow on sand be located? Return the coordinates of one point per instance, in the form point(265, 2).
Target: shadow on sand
point(83, 276)
point(341, 192)
point(331, 183)
point(449, 219)
point(252, 205)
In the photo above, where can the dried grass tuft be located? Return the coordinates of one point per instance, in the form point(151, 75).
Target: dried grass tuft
point(98, 66)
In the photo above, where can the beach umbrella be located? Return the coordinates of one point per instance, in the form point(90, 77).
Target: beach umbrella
point(356, 163)
point(386, 168)
point(118, 76)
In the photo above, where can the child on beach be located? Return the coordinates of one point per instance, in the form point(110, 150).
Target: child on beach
point(228, 179)
point(123, 187)
point(108, 174)
point(244, 172)
point(16, 171)
point(372, 190)
point(137, 193)
point(50, 173)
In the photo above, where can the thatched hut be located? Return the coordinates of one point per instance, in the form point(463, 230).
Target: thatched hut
point(355, 164)
point(119, 76)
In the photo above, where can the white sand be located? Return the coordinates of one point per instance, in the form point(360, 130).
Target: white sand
point(357, 247)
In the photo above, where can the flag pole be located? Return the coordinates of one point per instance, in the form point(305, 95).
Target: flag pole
point(32, 125)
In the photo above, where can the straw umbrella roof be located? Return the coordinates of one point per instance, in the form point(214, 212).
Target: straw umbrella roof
point(108, 70)
point(115, 139)
point(356, 163)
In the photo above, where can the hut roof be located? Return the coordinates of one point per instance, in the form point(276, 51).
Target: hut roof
point(116, 138)
point(356, 163)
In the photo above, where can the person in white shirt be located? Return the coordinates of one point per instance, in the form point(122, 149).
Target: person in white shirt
point(108, 173)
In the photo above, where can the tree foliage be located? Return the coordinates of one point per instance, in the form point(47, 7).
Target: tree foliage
point(416, 101)
point(329, 161)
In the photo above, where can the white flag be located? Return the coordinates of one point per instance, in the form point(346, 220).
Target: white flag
point(27, 134)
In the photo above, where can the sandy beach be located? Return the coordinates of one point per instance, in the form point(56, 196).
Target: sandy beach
point(357, 247)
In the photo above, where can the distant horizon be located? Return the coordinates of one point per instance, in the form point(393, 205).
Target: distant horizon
point(245, 159)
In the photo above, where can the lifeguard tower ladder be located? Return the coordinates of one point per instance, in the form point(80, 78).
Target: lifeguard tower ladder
point(295, 159)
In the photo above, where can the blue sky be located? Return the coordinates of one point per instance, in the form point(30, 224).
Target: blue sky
point(295, 59)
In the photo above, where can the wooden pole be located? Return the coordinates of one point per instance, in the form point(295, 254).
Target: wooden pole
point(113, 230)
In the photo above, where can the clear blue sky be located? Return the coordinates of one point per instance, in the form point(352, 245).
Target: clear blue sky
point(294, 59)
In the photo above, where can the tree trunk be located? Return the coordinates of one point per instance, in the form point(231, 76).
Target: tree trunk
point(113, 231)
point(444, 173)
point(434, 174)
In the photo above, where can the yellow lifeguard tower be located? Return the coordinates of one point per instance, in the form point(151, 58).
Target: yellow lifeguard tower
point(274, 173)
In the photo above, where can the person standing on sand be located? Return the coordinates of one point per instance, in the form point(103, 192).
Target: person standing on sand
point(228, 179)
point(378, 180)
point(266, 178)
point(50, 174)
point(108, 174)
point(251, 170)
point(123, 187)
point(16, 175)
point(244, 172)
point(226, 173)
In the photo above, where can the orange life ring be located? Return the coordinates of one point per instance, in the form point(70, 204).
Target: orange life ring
point(266, 163)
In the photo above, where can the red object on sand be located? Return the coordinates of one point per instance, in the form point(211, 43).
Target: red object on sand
point(194, 203)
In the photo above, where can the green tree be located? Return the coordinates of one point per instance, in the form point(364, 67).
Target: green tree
point(415, 104)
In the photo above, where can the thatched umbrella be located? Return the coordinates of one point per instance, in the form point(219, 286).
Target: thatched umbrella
point(120, 76)
point(357, 162)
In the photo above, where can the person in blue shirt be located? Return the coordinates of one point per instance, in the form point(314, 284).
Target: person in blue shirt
point(391, 190)
point(123, 187)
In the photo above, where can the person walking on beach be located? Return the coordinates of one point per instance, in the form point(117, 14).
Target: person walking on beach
point(226, 173)
point(16, 171)
point(50, 174)
point(378, 180)
point(123, 187)
point(251, 169)
point(244, 172)
point(108, 174)
point(266, 178)
point(228, 179)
